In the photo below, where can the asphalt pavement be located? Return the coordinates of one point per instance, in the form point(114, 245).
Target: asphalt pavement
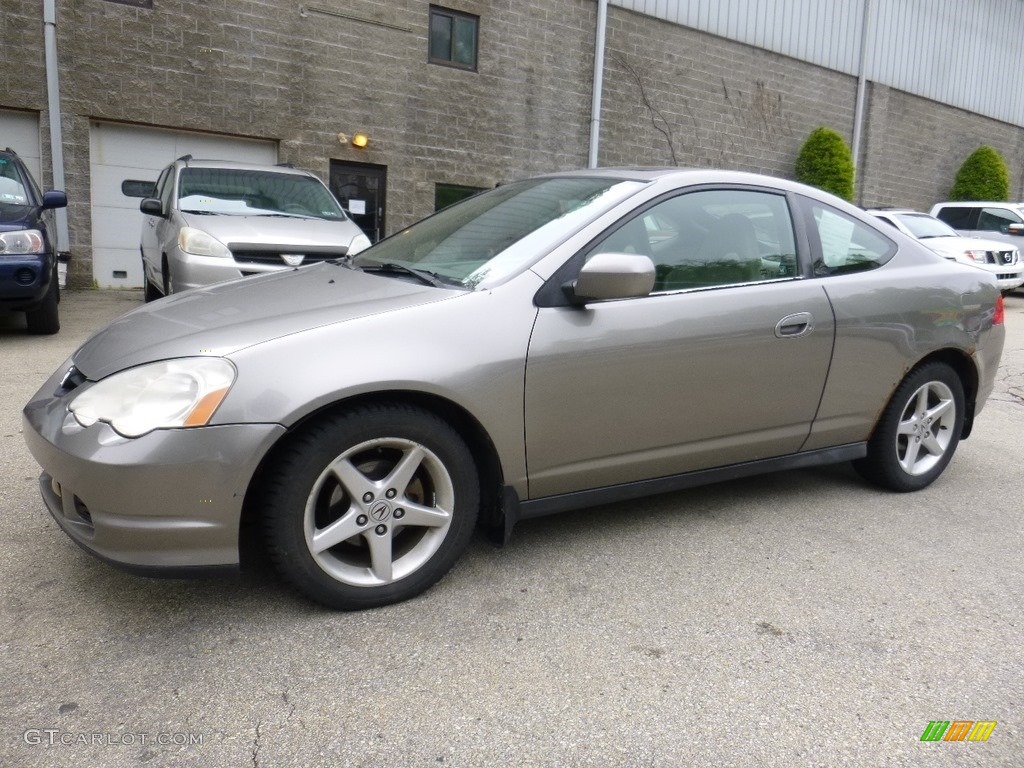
point(796, 619)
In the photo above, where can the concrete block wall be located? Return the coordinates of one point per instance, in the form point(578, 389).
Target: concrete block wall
point(300, 74)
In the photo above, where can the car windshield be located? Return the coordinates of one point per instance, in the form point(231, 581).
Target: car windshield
point(497, 234)
point(255, 193)
point(923, 226)
point(14, 198)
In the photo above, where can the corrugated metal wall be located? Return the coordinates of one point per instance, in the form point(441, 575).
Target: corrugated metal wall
point(966, 53)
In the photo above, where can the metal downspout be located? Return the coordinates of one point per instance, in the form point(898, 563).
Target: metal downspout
point(595, 101)
point(53, 107)
point(862, 86)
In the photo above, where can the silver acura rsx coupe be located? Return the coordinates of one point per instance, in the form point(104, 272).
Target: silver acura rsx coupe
point(551, 344)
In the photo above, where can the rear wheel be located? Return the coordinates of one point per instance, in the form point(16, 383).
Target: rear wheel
point(371, 506)
point(918, 432)
point(44, 319)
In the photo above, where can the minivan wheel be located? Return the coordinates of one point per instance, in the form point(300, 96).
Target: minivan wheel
point(150, 291)
point(918, 432)
point(165, 271)
point(44, 319)
point(371, 506)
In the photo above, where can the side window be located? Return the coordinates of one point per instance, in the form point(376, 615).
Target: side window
point(958, 216)
point(711, 238)
point(846, 245)
point(997, 219)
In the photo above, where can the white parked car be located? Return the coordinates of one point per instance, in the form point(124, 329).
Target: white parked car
point(1000, 258)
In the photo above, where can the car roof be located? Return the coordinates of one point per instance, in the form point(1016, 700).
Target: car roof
point(979, 203)
point(234, 165)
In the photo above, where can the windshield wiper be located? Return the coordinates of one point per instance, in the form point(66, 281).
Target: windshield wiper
point(430, 278)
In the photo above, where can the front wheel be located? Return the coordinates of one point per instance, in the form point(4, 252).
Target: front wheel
point(45, 319)
point(371, 506)
point(918, 432)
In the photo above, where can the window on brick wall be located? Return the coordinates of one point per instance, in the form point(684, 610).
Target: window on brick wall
point(453, 38)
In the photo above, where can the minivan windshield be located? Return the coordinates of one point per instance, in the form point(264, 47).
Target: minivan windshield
point(255, 193)
point(496, 234)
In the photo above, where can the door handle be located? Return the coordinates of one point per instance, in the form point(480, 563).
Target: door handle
point(794, 326)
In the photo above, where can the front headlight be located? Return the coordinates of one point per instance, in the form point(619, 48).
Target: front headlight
point(22, 241)
point(359, 243)
point(199, 243)
point(976, 256)
point(171, 393)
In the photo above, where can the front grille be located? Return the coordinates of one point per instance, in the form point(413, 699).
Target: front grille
point(1005, 277)
point(267, 257)
point(25, 276)
point(1005, 257)
point(83, 511)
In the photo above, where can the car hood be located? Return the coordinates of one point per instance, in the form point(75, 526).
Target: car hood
point(954, 247)
point(274, 230)
point(223, 318)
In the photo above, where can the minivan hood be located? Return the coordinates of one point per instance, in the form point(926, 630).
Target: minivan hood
point(274, 230)
point(223, 318)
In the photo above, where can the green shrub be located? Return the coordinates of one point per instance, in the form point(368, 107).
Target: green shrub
point(825, 162)
point(983, 176)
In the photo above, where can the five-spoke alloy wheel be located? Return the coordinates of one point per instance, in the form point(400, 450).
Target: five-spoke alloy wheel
point(918, 431)
point(370, 506)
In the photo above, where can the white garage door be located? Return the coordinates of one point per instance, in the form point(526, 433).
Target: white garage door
point(129, 153)
point(20, 132)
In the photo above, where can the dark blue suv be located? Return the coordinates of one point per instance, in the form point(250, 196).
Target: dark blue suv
point(28, 247)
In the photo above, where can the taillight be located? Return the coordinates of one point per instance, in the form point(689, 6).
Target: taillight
point(997, 316)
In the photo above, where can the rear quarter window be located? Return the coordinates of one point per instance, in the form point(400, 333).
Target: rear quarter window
point(958, 216)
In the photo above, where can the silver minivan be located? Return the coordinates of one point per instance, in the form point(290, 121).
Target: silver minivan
point(215, 220)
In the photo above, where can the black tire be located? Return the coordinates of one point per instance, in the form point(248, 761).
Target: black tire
point(918, 432)
point(45, 319)
point(377, 560)
point(150, 291)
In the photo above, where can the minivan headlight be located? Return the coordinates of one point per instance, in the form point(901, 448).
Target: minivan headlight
point(359, 243)
point(199, 243)
point(172, 393)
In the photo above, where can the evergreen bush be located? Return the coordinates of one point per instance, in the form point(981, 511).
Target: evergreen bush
point(825, 162)
point(983, 176)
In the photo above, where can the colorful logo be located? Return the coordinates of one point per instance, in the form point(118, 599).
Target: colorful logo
point(958, 730)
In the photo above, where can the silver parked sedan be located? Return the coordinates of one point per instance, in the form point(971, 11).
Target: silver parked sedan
point(551, 344)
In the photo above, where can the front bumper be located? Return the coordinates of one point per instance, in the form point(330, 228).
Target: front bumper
point(164, 503)
point(24, 280)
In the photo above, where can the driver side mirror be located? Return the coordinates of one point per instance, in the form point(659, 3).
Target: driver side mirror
point(1015, 229)
point(151, 206)
point(54, 198)
point(612, 276)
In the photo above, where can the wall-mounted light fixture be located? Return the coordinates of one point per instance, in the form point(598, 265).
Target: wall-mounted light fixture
point(360, 140)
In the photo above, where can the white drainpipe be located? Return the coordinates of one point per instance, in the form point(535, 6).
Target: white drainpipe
point(595, 102)
point(858, 117)
point(53, 106)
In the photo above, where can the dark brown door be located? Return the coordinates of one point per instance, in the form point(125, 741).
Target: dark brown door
point(360, 188)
